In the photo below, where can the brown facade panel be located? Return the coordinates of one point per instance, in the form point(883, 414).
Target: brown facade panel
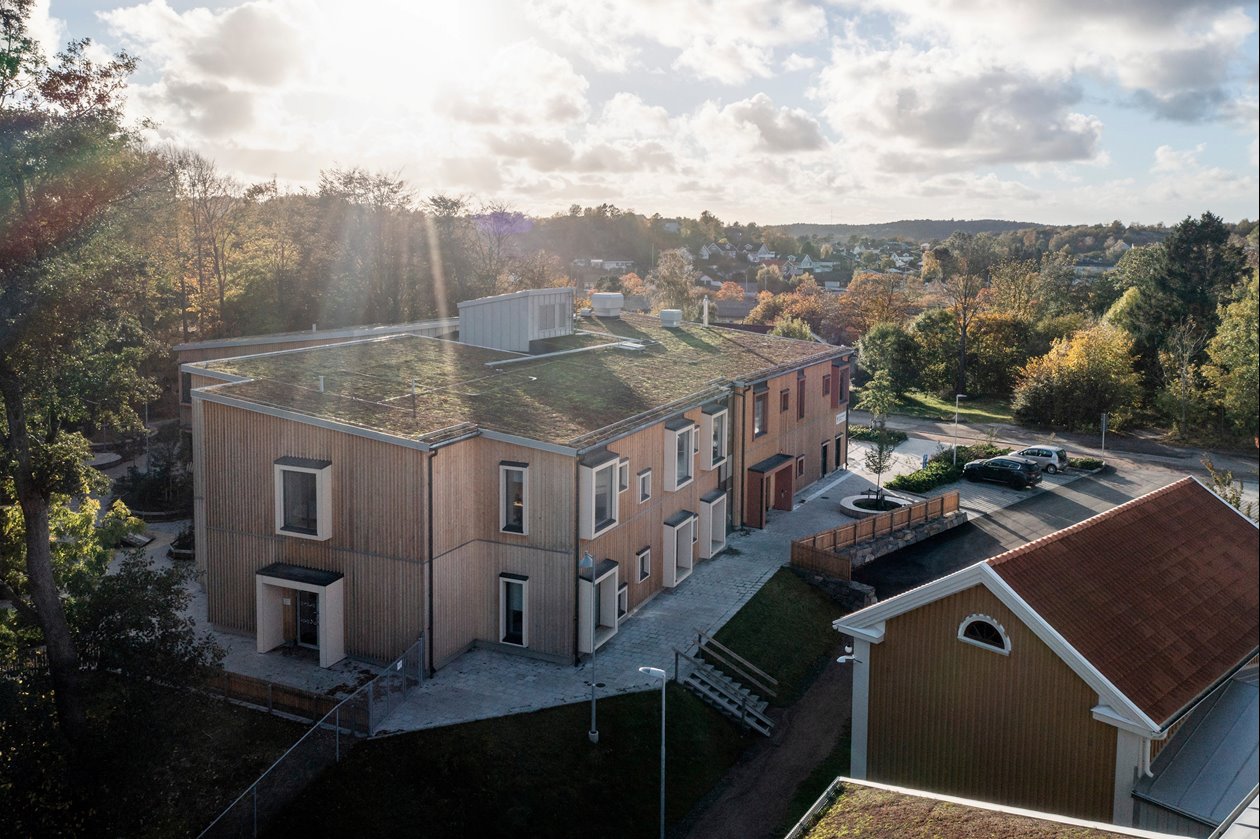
point(379, 546)
point(951, 717)
point(466, 606)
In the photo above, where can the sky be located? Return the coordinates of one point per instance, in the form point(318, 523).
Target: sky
point(1056, 112)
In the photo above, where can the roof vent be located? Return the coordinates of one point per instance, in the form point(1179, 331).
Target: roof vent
point(671, 318)
point(607, 304)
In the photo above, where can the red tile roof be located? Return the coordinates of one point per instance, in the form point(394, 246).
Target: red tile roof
point(1160, 594)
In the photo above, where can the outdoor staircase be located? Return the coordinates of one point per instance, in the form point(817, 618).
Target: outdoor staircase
point(724, 692)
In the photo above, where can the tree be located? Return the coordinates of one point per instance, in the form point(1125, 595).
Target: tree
point(731, 291)
point(770, 278)
point(788, 326)
point(889, 348)
point(69, 342)
point(961, 267)
point(1015, 288)
point(1181, 375)
point(878, 298)
point(935, 333)
point(675, 281)
point(879, 399)
point(1078, 380)
point(1234, 366)
point(1229, 489)
point(999, 347)
point(632, 283)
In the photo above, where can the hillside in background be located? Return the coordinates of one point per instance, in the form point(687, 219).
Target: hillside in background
point(918, 230)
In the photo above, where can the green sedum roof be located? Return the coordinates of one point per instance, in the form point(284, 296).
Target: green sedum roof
point(597, 385)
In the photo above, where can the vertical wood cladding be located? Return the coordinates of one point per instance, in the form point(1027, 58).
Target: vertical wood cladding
point(950, 717)
point(641, 524)
point(377, 535)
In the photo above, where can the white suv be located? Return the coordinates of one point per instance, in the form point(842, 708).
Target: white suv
point(1051, 459)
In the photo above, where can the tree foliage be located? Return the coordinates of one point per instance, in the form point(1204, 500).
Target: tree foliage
point(1234, 366)
point(1081, 377)
point(889, 348)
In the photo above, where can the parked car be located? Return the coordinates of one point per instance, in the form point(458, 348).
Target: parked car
point(1052, 459)
point(1008, 469)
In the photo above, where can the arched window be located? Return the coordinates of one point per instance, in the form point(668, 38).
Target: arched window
point(984, 631)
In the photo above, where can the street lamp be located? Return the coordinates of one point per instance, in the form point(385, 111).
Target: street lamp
point(588, 561)
point(957, 396)
point(658, 673)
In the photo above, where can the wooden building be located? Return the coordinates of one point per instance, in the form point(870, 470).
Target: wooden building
point(1048, 677)
point(357, 496)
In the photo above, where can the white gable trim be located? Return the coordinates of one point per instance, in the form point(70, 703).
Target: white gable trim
point(868, 624)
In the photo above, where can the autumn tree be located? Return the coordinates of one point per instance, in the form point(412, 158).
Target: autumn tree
point(770, 278)
point(730, 291)
point(69, 342)
point(961, 268)
point(1015, 288)
point(632, 283)
point(878, 298)
point(1081, 378)
point(788, 326)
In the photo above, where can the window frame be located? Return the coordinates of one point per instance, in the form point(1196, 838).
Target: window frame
point(589, 475)
point(674, 438)
point(1005, 649)
point(785, 400)
point(506, 580)
point(800, 466)
point(800, 395)
point(645, 486)
point(761, 400)
point(323, 498)
point(641, 557)
point(710, 425)
point(826, 384)
point(185, 387)
point(506, 466)
point(623, 475)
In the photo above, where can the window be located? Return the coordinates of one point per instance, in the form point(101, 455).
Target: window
point(513, 493)
point(643, 559)
point(800, 465)
point(303, 497)
point(713, 432)
point(185, 388)
point(623, 476)
point(680, 450)
point(598, 481)
point(983, 631)
point(759, 415)
point(827, 384)
point(513, 591)
point(645, 485)
point(785, 399)
point(623, 601)
point(800, 395)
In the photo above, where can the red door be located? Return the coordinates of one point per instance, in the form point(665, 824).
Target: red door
point(754, 509)
point(783, 487)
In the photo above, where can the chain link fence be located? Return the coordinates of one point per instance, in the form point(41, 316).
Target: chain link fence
point(357, 716)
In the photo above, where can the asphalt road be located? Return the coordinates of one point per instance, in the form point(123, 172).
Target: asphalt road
point(988, 536)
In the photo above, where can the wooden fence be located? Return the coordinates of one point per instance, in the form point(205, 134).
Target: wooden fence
point(273, 697)
point(818, 552)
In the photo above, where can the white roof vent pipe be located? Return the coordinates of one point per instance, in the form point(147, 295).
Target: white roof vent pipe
point(671, 318)
point(607, 304)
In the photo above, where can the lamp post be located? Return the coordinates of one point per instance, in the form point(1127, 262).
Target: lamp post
point(957, 396)
point(658, 673)
point(588, 561)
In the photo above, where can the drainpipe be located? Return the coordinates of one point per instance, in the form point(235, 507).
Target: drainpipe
point(737, 461)
point(577, 579)
point(428, 585)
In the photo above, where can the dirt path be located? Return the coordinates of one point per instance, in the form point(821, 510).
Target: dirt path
point(755, 794)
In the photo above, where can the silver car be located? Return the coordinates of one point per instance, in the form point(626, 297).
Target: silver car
point(1052, 459)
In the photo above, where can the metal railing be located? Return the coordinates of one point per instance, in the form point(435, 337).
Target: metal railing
point(357, 716)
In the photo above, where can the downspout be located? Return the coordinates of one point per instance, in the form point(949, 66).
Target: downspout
point(577, 579)
point(737, 471)
point(428, 612)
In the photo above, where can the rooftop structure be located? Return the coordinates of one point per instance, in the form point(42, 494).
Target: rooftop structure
point(581, 387)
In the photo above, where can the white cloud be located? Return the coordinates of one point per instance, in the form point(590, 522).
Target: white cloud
point(796, 62)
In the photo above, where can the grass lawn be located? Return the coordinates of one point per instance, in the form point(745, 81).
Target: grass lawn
point(833, 766)
point(786, 631)
point(526, 775)
point(164, 763)
point(975, 411)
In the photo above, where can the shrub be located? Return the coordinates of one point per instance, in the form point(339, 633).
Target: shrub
point(941, 468)
point(870, 435)
point(1087, 463)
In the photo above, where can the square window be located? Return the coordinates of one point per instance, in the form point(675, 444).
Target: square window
point(645, 485)
point(303, 497)
point(644, 562)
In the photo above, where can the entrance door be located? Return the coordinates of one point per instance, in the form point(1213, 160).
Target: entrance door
point(783, 487)
point(308, 619)
point(825, 466)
